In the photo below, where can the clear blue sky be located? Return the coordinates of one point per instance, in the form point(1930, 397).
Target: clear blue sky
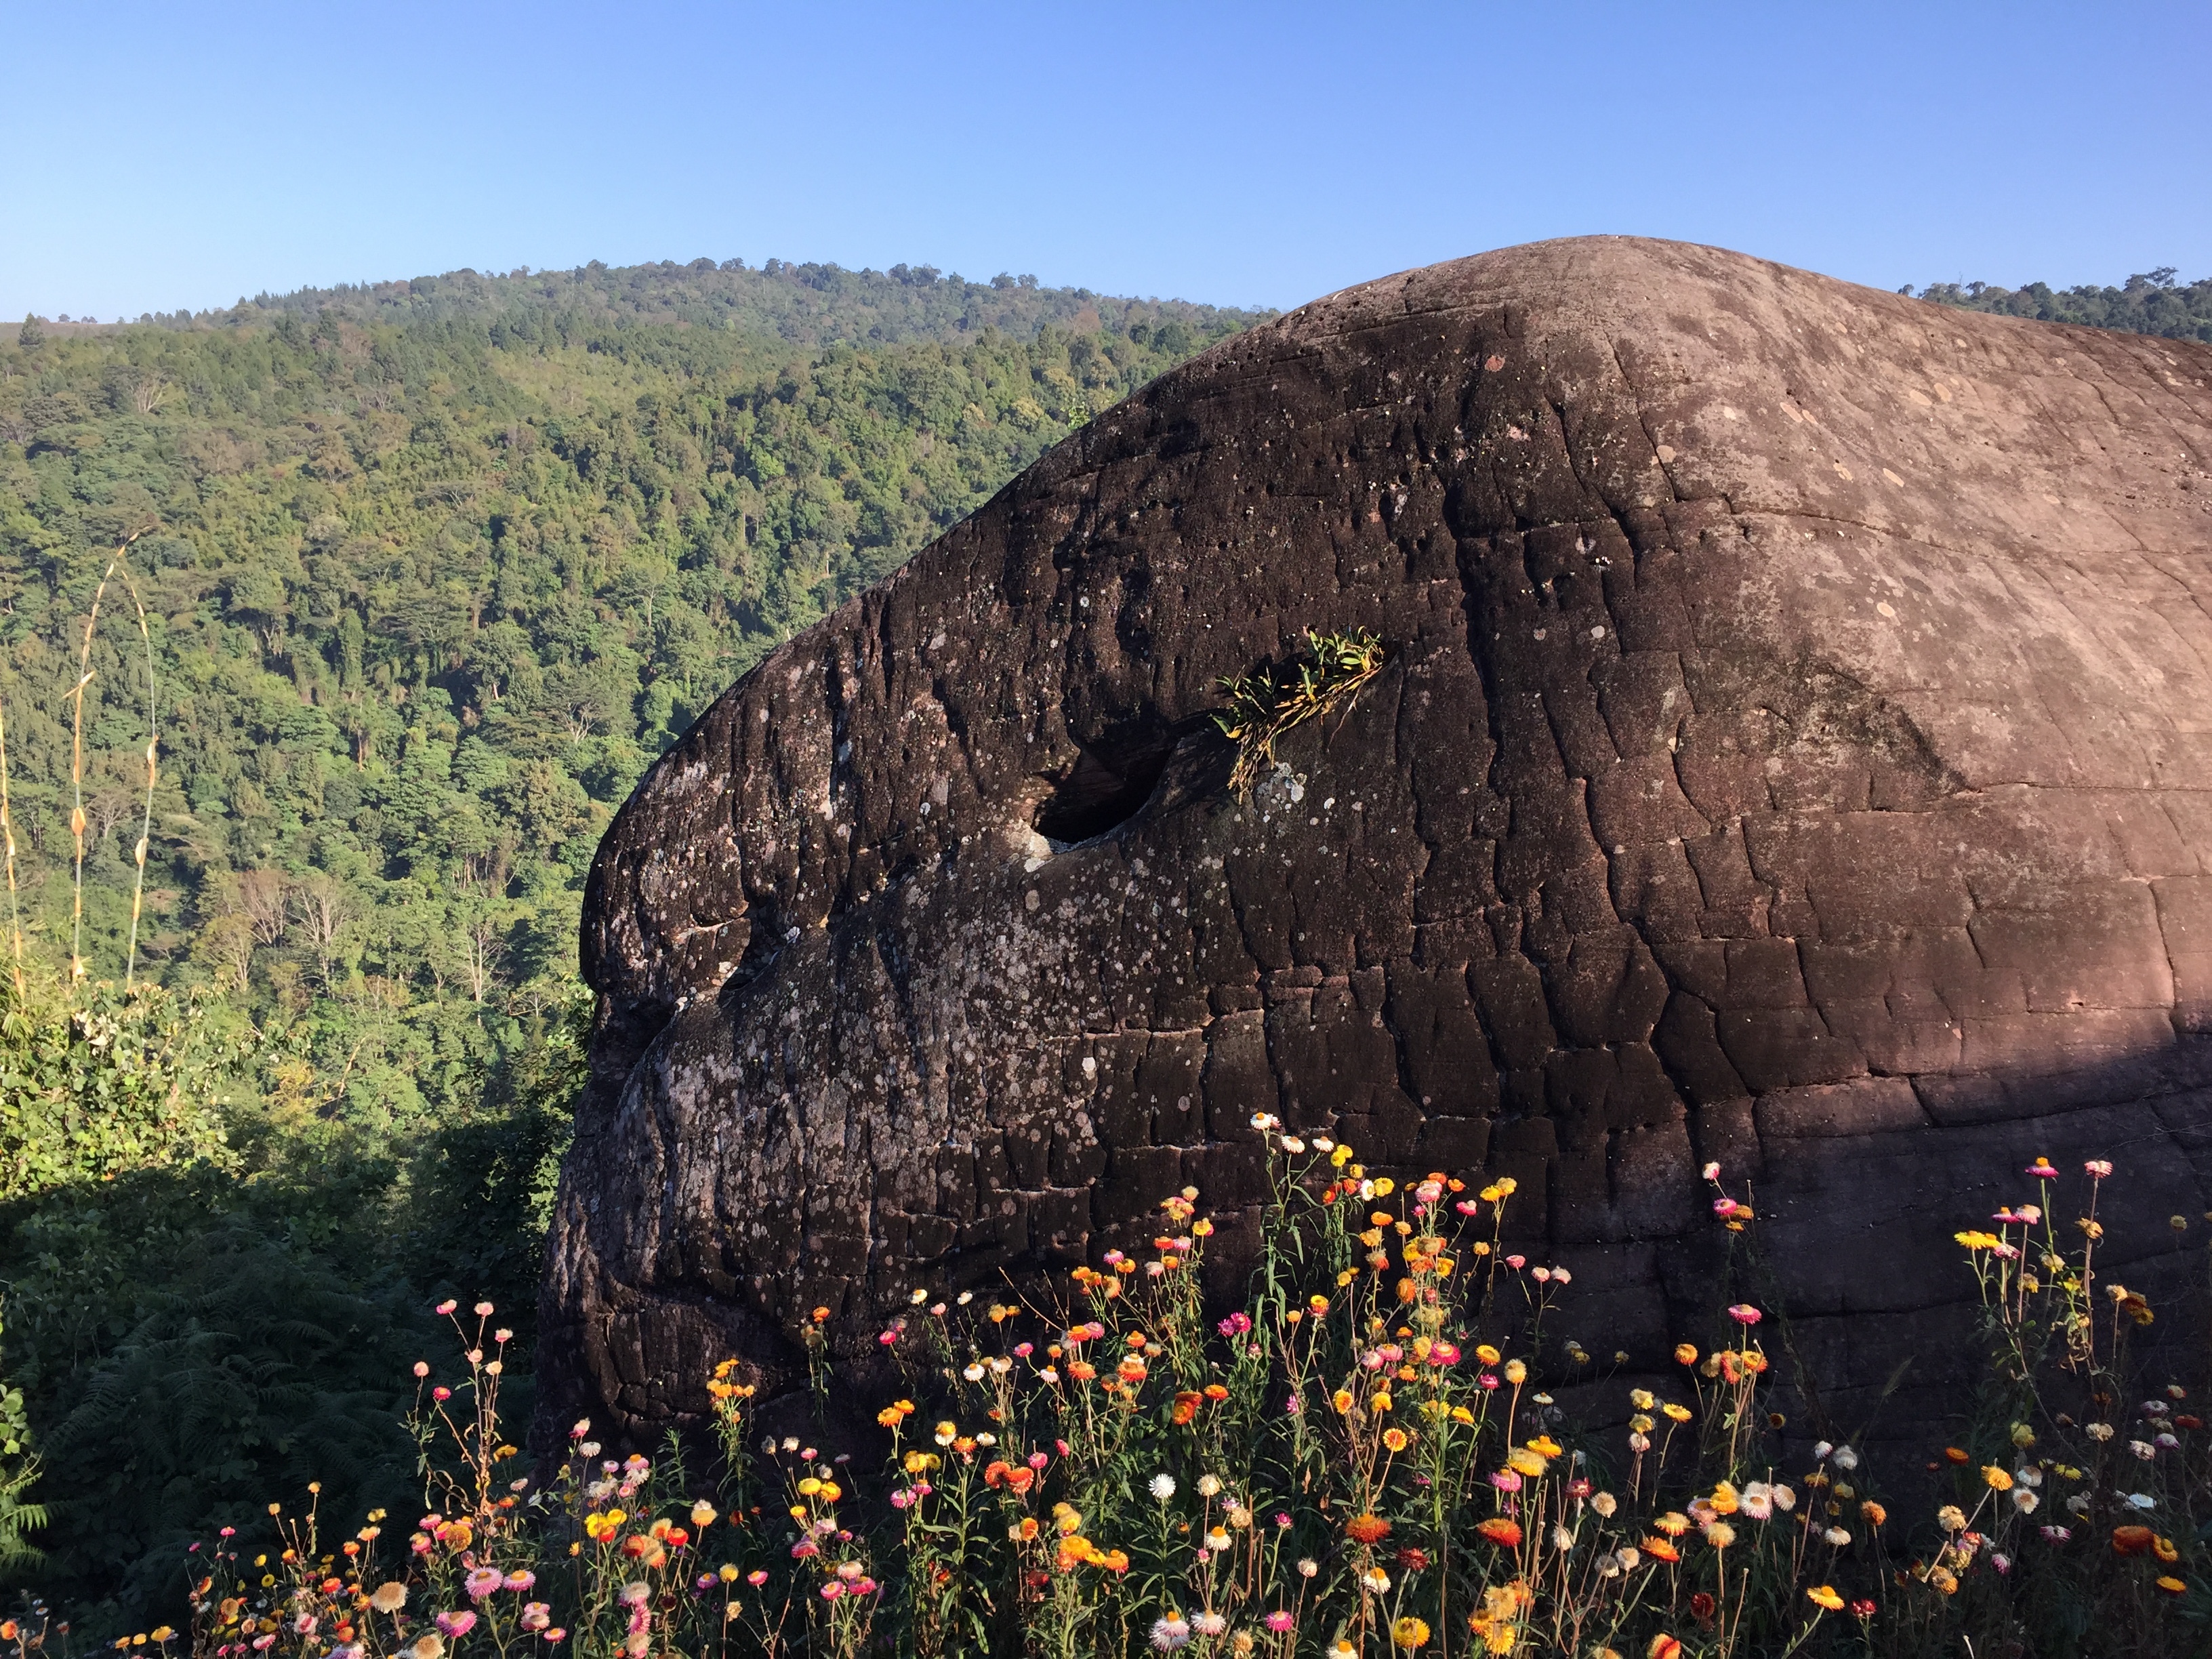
point(178, 155)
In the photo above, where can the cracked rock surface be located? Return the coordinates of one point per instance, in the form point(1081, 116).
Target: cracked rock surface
point(1794, 750)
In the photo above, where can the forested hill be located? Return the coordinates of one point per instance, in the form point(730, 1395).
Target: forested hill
point(777, 304)
point(2148, 302)
point(438, 566)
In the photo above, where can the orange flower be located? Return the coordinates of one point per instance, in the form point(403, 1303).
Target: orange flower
point(2130, 1541)
point(1663, 1647)
point(2171, 1585)
point(1954, 1455)
point(1660, 1549)
point(1505, 1534)
point(2163, 1549)
point(1367, 1528)
point(1186, 1405)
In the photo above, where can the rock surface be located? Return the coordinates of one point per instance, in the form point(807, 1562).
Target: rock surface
point(1794, 750)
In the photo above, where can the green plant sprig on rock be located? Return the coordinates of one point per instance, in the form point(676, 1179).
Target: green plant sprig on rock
point(1276, 697)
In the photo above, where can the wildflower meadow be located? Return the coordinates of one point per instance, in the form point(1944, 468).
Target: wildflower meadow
point(1365, 1458)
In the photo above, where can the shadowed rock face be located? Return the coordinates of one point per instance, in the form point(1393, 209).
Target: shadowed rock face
point(1795, 751)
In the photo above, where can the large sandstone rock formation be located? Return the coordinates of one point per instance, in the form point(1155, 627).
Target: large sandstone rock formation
point(1794, 750)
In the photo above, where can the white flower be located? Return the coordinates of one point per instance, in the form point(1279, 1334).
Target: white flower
point(1208, 1623)
point(1821, 1449)
point(2167, 1442)
point(1170, 1633)
point(1844, 1458)
point(1837, 1537)
point(1292, 1144)
point(1264, 1122)
point(1628, 1559)
point(1785, 1499)
point(1308, 1567)
point(1605, 1503)
point(1562, 1540)
point(2024, 1500)
point(2028, 1475)
point(1163, 1486)
point(2141, 1500)
point(974, 1373)
point(2098, 1430)
point(2143, 1449)
point(1323, 1144)
point(1377, 1580)
point(1209, 1485)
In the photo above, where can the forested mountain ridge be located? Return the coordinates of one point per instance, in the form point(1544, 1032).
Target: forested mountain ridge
point(438, 566)
point(806, 305)
point(2148, 302)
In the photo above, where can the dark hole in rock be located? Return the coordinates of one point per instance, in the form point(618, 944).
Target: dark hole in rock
point(1109, 786)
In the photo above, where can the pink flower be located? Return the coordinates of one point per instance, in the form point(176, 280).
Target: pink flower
point(1023, 1350)
point(1489, 1380)
point(1506, 1481)
point(1712, 1171)
point(442, 1393)
point(520, 1582)
point(447, 1305)
point(457, 1624)
point(1235, 1325)
point(1278, 1621)
point(832, 1590)
point(1744, 1314)
point(1725, 1206)
point(484, 1311)
point(421, 1368)
point(1038, 1460)
point(1467, 1206)
point(757, 1577)
point(556, 1634)
point(2098, 1168)
point(1517, 1262)
point(888, 1338)
point(482, 1582)
point(1444, 1354)
point(535, 1615)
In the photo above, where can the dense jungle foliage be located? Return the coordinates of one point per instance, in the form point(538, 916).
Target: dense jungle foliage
point(431, 571)
point(2149, 302)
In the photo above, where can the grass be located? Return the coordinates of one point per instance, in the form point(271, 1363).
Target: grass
point(1273, 699)
point(1367, 1457)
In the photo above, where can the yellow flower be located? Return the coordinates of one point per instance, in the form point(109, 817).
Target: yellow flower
point(602, 1527)
point(1487, 1354)
point(1526, 1462)
point(1515, 1373)
point(1409, 1633)
point(1341, 1400)
point(1544, 1446)
point(1824, 1595)
point(1680, 1413)
point(809, 1486)
point(1724, 1499)
point(1381, 1401)
point(1396, 1439)
point(1979, 1241)
point(1674, 1524)
point(1996, 1478)
point(1719, 1535)
point(1684, 1354)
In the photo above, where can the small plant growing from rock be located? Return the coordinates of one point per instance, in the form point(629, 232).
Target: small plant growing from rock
point(1274, 698)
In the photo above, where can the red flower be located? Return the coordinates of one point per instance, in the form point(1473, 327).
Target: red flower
point(1701, 1607)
